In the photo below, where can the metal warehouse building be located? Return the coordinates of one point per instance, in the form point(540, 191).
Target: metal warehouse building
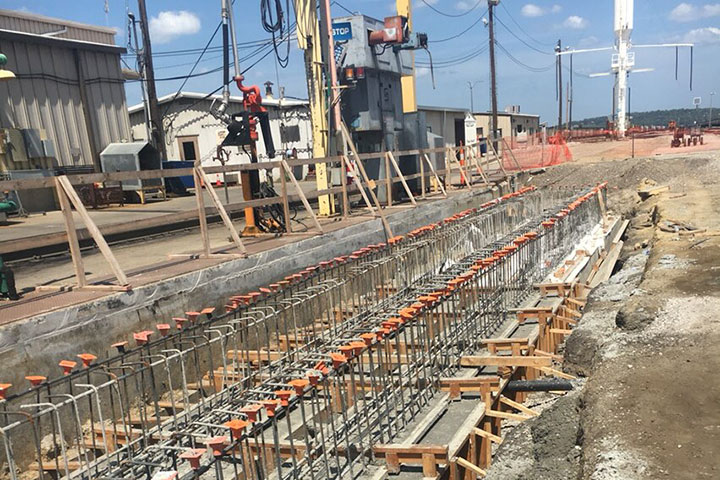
point(68, 100)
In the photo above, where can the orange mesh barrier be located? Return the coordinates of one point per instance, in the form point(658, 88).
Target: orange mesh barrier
point(523, 155)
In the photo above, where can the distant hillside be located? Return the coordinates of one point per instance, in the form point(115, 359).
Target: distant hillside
point(683, 116)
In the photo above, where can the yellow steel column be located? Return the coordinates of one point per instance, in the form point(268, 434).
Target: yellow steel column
point(309, 41)
point(409, 100)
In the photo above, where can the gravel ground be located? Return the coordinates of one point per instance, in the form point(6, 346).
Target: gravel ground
point(649, 342)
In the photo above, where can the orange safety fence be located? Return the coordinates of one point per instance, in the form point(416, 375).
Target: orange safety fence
point(533, 152)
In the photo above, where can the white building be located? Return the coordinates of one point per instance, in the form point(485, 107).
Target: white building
point(191, 132)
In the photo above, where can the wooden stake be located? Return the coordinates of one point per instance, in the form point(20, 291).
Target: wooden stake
point(302, 195)
point(221, 210)
point(470, 466)
point(201, 211)
point(402, 177)
point(343, 186)
point(286, 206)
point(360, 166)
point(71, 234)
point(93, 229)
point(437, 179)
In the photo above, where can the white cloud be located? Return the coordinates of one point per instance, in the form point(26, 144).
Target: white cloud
point(703, 35)
point(531, 10)
point(463, 5)
point(169, 25)
point(685, 12)
point(587, 42)
point(575, 22)
point(421, 4)
point(556, 8)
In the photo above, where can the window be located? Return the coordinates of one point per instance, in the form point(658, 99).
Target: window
point(188, 147)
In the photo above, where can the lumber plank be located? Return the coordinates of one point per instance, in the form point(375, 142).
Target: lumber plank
point(505, 361)
point(471, 466)
point(485, 434)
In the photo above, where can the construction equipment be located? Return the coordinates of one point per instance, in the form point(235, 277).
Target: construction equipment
point(242, 127)
point(7, 282)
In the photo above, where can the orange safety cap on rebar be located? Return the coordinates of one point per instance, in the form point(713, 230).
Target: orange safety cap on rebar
point(179, 322)
point(252, 412)
point(347, 350)
point(35, 380)
point(299, 385)
point(141, 338)
point(338, 360)
point(192, 316)
point(322, 368)
point(237, 427)
point(67, 366)
point(193, 456)
point(368, 338)
point(358, 347)
point(4, 387)
point(216, 445)
point(87, 359)
point(207, 310)
point(270, 406)
point(163, 328)
point(284, 396)
point(313, 377)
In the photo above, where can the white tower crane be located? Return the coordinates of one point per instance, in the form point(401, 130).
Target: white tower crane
point(623, 60)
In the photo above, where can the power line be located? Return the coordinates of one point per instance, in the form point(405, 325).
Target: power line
point(523, 41)
point(451, 15)
point(524, 65)
point(453, 61)
point(461, 33)
point(542, 44)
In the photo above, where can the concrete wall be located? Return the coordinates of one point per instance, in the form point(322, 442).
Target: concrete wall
point(36, 345)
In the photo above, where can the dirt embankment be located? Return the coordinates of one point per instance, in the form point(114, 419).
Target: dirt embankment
point(649, 342)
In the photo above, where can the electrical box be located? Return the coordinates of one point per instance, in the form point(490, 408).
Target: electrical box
point(133, 156)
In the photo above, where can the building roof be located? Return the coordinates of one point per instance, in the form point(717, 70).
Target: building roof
point(443, 109)
point(508, 114)
point(267, 101)
point(55, 28)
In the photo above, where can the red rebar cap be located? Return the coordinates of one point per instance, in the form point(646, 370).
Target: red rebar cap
point(358, 347)
point(67, 366)
point(35, 380)
point(141, 338)
point(252, 412)
point(193, 456)
point(207, 310)
point(163, 328)
point(4, 387)
point(313, 377)
point(347, 350)
point(322, 368)
point(299, 385)
point(284, 396)
point(368, 338)
point(270, 406)
point(237, 427)
point(338, 360)
point(179, 322)
point(216, 445)
point(87, 359)
point(192, 316)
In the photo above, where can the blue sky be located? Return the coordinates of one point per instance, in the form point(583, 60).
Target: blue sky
point(184, 24)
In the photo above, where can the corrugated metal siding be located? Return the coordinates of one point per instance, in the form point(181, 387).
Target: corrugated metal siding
point(39, 25)
point(51, 99)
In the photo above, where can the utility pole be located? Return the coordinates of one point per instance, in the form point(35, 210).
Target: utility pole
point(158, 136)
point(712, 94)
point(493, 81)
point(141, 68)
point(558, 49)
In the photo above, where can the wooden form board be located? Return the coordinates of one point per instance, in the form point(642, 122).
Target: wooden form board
point(67, 195)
